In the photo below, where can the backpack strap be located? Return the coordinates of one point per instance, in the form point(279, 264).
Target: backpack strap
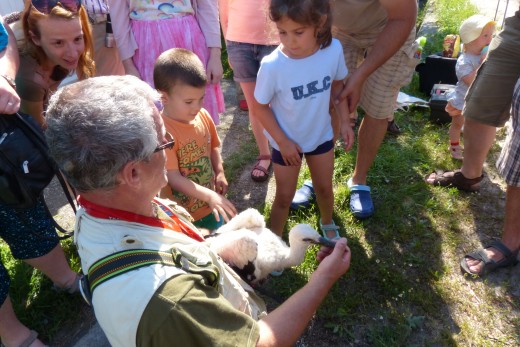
point(121, 262)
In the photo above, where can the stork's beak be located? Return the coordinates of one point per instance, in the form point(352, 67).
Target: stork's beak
point(322, 241)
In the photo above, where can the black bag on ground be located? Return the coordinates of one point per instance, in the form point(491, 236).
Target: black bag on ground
point(25, 168)
point(436, 70)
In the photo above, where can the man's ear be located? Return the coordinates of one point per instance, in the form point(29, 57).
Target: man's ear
point(34, 38)
point(130, 174)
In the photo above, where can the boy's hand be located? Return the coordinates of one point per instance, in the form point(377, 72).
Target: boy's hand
point(334, 262)
point(221, 184)
point(220, 205)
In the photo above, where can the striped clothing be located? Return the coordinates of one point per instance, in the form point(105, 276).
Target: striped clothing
point(509, 162)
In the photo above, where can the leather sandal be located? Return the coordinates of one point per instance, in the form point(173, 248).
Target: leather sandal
point(490, 265)
point(257, 166)
point(454, 179)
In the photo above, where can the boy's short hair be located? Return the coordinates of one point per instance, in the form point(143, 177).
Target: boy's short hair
point(178, 65)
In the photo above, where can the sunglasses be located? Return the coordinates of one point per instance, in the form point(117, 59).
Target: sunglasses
point(168, 145)
point(46, 6)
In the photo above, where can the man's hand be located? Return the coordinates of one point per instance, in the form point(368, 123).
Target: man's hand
point(333, 262)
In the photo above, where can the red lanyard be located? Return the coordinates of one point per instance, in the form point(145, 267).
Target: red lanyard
point(110, 213)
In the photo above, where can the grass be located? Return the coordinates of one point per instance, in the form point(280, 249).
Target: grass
point(404, 287)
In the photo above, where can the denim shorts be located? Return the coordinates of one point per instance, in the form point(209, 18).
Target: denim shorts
point(245, 59)
point(323, 148)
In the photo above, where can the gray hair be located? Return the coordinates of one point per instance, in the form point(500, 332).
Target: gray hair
point(96, 126)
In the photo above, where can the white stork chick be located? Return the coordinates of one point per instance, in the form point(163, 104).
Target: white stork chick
point(254, 251)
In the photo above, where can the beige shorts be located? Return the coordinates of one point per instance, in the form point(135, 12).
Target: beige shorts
point(382, 86)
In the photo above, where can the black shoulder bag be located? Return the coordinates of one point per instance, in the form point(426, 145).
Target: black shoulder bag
point(25, 166)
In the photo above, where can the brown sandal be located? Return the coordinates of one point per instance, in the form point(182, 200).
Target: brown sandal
point(454, 179)
point(257, 166)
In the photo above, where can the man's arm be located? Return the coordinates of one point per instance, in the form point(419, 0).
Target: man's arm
point(284, 326)
point(9, 62)
point(402, 15)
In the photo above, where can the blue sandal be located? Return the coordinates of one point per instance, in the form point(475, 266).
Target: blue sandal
point(361, 204)
point(327, 228)
point(303, 196)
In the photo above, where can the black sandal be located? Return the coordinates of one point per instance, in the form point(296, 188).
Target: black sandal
point(454, 179)
point(490, 265)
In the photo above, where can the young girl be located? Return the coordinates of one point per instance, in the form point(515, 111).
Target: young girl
point(476, 33)
point(143, 29)
point(292, 96)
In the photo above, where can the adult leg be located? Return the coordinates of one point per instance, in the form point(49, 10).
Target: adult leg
point(12, 331)
point(54, 265)
point(510, 236)
point(478, 139)
point(370, 136)
point(258, 130)
point(286, 179)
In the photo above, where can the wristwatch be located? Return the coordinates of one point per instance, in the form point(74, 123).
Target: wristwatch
point(9, 80)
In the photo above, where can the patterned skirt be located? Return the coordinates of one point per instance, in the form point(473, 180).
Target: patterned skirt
point(155, 37)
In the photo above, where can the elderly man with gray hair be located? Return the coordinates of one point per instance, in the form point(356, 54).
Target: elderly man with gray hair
point(107, 136)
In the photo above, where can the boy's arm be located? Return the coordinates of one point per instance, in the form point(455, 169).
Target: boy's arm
point(289, 150)
point(469, 78)
point(221, 184)
point(218, 203)
point(341, 108)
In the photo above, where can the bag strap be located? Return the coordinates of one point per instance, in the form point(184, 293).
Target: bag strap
point(36, 136)
point(122, 262)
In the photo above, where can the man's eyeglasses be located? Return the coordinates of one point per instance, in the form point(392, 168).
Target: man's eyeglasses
point(46, 6)
point(168, 145)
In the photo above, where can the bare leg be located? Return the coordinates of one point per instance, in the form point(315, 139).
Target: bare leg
point(478, 139)
point(456, 126)
point(321, 167)
point(511, 235)
point(370, 136)
point(258, 130)
point(286, 179)
point(12, 331)
point(55, 266)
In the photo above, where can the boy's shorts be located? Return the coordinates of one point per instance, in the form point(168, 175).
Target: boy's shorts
point(508, 163)
point(245, 59)
point(323, 148)
point(382, 86)
point(488, 100)
point(209, 222)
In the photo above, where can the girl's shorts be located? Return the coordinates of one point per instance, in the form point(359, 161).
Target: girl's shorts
point(323, 148)
point(245, 59)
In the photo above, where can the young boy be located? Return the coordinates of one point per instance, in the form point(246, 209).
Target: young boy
point(195, 173)
point(476, 33)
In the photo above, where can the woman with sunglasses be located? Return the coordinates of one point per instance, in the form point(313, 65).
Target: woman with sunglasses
point(57, 42)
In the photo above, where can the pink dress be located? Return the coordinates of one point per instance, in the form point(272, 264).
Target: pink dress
point(145, 28)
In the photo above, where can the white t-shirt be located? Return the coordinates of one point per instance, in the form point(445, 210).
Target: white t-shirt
point(466, 64)
point(299, 93)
